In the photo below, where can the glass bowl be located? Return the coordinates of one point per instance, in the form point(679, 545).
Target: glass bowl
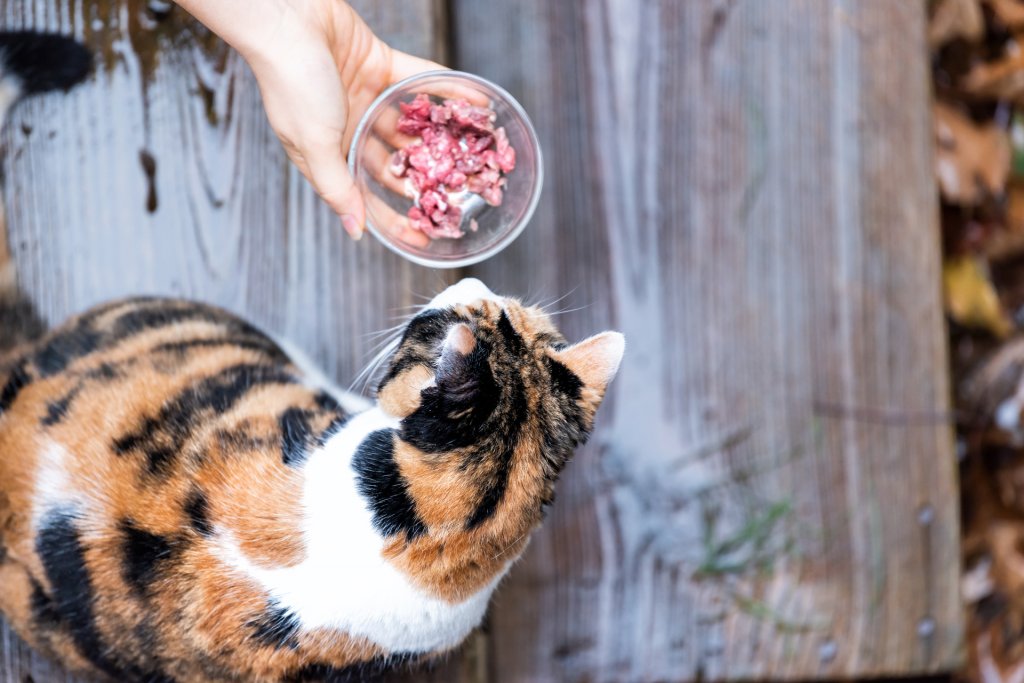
point(388, 197)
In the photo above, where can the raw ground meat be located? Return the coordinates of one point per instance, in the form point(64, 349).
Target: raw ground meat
point(458, 150)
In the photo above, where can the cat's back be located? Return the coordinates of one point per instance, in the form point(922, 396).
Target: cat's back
point(135, 389)
point(127, 436)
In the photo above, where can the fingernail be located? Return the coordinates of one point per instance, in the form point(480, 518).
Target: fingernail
point(351, 225)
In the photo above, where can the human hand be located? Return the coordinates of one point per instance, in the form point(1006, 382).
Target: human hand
point(319, 67)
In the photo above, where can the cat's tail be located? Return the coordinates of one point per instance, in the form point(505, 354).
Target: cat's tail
point(30, 63)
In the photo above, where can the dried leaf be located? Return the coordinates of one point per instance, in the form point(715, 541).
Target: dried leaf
point(976, 584)
point(971, 161)
point(971, 300)
point(955, 19)
point(1007, 241)
point(988, 663)
point(1006, 540)
point(1002, 79)
point(1009, 12)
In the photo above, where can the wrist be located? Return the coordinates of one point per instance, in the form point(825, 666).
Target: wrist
point(252, 27)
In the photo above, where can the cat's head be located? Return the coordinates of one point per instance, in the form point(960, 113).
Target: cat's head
point(492, 400)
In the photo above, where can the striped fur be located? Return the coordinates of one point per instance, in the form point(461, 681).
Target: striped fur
point(179, 501)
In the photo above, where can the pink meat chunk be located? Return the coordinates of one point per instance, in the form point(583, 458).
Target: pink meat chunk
point(457, 148)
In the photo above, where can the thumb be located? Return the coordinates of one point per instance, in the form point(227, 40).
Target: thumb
point(330, 176)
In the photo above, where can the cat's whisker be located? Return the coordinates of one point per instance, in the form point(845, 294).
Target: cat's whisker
point(424, 297)
point(387, 348)
point(386, 331)
point(569, 310)
point(511, 545)
point(406, 310)
point(559, 299)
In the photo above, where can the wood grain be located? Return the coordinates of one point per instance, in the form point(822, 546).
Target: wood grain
point(745, 190)
point(161, 175)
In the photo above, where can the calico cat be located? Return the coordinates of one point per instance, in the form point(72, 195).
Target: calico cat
point(184, 499)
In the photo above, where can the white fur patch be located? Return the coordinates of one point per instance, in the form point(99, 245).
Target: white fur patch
point(344, 583)
point(465, 291)
point(53, 486)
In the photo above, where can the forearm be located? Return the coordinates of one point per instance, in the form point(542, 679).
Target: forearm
point(249, 26)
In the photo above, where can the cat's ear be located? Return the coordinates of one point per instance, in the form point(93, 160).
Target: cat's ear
point(456, 366)
point(595, 360)
point(458, 344)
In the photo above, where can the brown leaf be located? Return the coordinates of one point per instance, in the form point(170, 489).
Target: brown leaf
point(971, 161)
point(1002, 79)
point(955, 19)
point(1007, 241)
point(1006, 543)
point(988, 385)
point(1009, 12)
point(971, 300)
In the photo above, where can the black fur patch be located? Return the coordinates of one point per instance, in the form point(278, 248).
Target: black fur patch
point(419, 340)
point(141, 319)
point(19, 322)
point(43, 61)
point(381, 483)
point(58, 410)
point(148, 666)
point(142, 315)
point(496, 483)
point(44, 613)
point(430, 326)
point(60, 549)
point(18, 380)
point(565, 425)
point(104, 372)
point(296, 436)
point(333, 428)
point(82, 338)
point(513, 340)
point(564, 380)
point(258, 344)
point(277, 627)
point(64, 348)
point(161, 437)
point(198, 510)
point(145, 556)
point(456, 412)
point(243, 438)
point(170, 312)
point(325, 401)
point(365, 672)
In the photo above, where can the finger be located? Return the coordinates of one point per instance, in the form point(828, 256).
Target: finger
point(377, 159)
point(405, 65)
point(395, 225)
point(386, 128)
point(332, 180)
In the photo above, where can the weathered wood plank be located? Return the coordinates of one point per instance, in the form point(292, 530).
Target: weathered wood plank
point(220, 215)
point(745, 189)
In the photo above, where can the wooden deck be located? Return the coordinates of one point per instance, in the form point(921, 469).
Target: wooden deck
point(743, 188)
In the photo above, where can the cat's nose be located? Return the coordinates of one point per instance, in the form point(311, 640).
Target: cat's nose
point(465, 291)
